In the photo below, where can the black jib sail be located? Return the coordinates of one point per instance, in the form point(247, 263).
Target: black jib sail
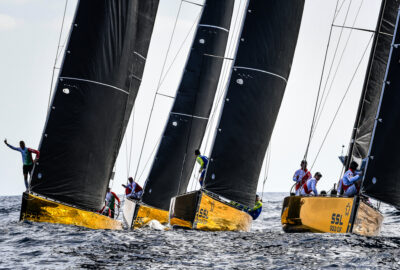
point(174, 161)
point(253, 98)
point(373, 82)
point(382, 176)
point(98, 83)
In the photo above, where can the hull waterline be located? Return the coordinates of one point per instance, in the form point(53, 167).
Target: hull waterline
point(202, 210)
point(39, 209)
point(330, 215)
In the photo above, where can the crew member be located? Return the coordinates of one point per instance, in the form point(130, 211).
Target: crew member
point(109, 208)
point(203, 161)
point(348, 182)
point(133, 190)
point(301, 176)
point(311, 185)
point(27, 160)
point(256, 211)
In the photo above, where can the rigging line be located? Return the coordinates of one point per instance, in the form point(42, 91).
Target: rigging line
point(320, 84)
point(58, 49)
point(150, 157)
point(158, 88)
point(133, 125)
point(333, 60)
point(226, 70)
point(338, 11)
point(341, 102)
point(193, 3)
point(355, 28)
point(324, 99)
point(266, 168)
point(180, 48)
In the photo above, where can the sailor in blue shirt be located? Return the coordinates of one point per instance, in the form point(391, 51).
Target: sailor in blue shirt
point(348, 182)
point(203, 161)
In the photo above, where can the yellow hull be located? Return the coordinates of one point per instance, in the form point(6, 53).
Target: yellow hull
point(207, 213)
point(137, 214)
point(329, 215)
point(38, 209)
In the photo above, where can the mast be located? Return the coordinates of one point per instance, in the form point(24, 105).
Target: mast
point(255, 91)
point(184, 131)
point(100, 76)
point(362, 131)
point(382, 176)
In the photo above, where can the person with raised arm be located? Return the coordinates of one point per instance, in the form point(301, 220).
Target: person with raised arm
point(27, 161)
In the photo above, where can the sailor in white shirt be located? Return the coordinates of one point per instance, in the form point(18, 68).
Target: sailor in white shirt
point(301, 176)
point(311, 185)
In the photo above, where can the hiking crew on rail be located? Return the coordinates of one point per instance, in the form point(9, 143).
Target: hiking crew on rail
point(27, 160)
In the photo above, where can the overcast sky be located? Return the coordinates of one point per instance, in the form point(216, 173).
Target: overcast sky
point(29, 31)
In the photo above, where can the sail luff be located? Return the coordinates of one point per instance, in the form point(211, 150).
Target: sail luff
point(382, 174)
point(96, 88)
point(361, 135)
point(184, 130)
point(253, 99)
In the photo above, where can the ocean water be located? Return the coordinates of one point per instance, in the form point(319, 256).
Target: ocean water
point(26, 245)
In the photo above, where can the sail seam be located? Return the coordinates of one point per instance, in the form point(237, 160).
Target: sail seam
point(194, 116)
point(99, 83)
point(141, 56)
point(217, 56)
point(263, 71)
point(214, 26)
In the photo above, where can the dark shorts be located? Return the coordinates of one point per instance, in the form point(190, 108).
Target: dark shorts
point(27, 169)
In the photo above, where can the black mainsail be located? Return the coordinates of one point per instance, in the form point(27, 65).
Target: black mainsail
point(253, 98)
point(184, 131)
point(373, 82)
point(97, 86)
point(382, 176)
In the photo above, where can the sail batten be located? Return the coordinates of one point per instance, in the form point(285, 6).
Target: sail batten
point(97, 86)
point(255, 91)
point(185, 128)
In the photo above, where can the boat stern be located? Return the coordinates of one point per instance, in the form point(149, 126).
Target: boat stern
point(202, 210)
point(137, 214)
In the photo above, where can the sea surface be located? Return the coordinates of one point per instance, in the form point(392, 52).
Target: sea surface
point(27, 245)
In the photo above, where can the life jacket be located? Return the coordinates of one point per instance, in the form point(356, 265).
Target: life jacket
point(303, 180)
point(138, 188)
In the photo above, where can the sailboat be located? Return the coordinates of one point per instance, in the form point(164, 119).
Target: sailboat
point(97, 85)
point(255, 89)
point(372, 139)
point(184, 130)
